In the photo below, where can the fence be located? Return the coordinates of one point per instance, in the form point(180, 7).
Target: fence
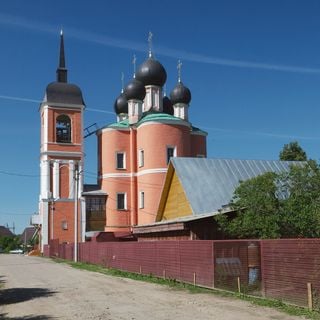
point(282, 269)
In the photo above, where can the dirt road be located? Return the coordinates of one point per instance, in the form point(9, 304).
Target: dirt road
point(37, 288)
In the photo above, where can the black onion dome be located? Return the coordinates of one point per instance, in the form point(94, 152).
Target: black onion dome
point(152, 72)
point(135, 90)
point(63, 93)
point(167, 105)
point(121, 104)
point(180, 94)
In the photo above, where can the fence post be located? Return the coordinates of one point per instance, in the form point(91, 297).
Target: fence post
point(310, 304)
point(239, 285)
point(164, 274)
point(194, 279)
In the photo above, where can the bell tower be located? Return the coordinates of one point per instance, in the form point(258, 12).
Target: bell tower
point(61, 159)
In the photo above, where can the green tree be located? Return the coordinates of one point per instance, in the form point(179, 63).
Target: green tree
point(276, 205)
point(292, 152)
point(10, 243)
point(301, 210)
point(257, 209)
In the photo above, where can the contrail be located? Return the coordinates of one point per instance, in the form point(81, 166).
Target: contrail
point(264, 134)
point(19, 99)
point(126, 44)
point(39, 101)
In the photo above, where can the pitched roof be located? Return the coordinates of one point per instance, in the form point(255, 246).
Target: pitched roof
point(27, 234)
point(5, 232)
point(209, 184)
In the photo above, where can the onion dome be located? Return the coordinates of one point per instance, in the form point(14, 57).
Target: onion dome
point(64, 93)
point(135, 90)
point(121, 104)
point(151, 72)
point(167, 105)
point(180, 94)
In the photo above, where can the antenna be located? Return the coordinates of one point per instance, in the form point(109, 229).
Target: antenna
point(88, 131)
point(179, 66)
point(150, 36)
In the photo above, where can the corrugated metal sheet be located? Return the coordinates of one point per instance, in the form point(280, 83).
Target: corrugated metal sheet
point(209, 184)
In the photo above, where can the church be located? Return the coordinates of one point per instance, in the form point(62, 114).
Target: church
point(133, 154)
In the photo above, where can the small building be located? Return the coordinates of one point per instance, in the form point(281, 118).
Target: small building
point(5, 232)
point(196, 190)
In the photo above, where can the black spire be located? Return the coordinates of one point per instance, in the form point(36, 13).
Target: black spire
point(62, 71)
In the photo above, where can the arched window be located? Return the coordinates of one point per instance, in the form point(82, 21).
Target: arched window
point(63, 129)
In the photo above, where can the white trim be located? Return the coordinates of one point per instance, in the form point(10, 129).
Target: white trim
point(56, 179)
point(199, 133)
point(177, 122)
point(112, 129)
point(141, 158)
point(62, 106)
point(71, 179)
point(45, 127)
point(62, 153)
point(65, 143)
point(135, 174)
point(141, 199)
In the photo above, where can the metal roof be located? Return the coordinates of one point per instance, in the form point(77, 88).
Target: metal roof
point(209, 184)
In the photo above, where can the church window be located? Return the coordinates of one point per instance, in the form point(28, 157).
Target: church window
point(63, 129)
point(141, 199)
point(121, 201)
point(121, 160)
point(141, 158)
point(171, 152)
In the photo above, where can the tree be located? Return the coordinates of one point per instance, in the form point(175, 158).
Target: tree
point(292, 152)
point(257, 209)
point(9, 243)
point(274, 205)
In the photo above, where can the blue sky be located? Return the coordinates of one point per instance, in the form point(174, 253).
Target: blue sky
point(253, 68)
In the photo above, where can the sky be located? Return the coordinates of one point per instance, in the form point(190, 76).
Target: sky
point(253, 68)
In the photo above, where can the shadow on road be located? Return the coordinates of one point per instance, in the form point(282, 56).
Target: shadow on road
point(4, 317)
point(15, 295)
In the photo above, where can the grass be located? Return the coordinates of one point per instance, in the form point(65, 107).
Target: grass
point(172, 283)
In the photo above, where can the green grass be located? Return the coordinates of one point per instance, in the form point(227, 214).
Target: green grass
point(176, 285)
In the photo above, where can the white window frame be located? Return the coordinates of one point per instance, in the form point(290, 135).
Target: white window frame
point(124, 200)
point(174, 152)
point(141, 199)
point(124, 160)
point(141, 158)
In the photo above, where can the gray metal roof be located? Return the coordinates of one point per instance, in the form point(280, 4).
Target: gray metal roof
point(209, 184)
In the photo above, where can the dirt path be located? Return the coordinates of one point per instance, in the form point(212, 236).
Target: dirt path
point(36, 288)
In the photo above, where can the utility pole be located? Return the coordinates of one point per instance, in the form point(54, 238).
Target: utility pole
point(76, 188)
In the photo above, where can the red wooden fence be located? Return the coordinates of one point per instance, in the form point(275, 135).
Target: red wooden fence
point(278, 269)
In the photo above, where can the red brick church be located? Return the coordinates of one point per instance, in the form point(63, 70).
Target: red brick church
point(133, 154)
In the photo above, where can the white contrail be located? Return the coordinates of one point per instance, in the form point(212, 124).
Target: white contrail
point(264, 134)
point(99, 110)
point(39, 101)
point(19, 99)
point(142, 47)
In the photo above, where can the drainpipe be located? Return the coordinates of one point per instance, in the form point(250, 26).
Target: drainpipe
point(133, 182)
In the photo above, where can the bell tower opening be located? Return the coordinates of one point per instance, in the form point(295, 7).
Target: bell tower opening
point(63, 129)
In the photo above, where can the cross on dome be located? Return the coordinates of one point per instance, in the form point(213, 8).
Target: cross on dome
point(134, 60)
point(150, 36)
point(179, 66)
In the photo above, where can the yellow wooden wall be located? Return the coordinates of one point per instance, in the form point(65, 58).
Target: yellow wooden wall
point(176, 204)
